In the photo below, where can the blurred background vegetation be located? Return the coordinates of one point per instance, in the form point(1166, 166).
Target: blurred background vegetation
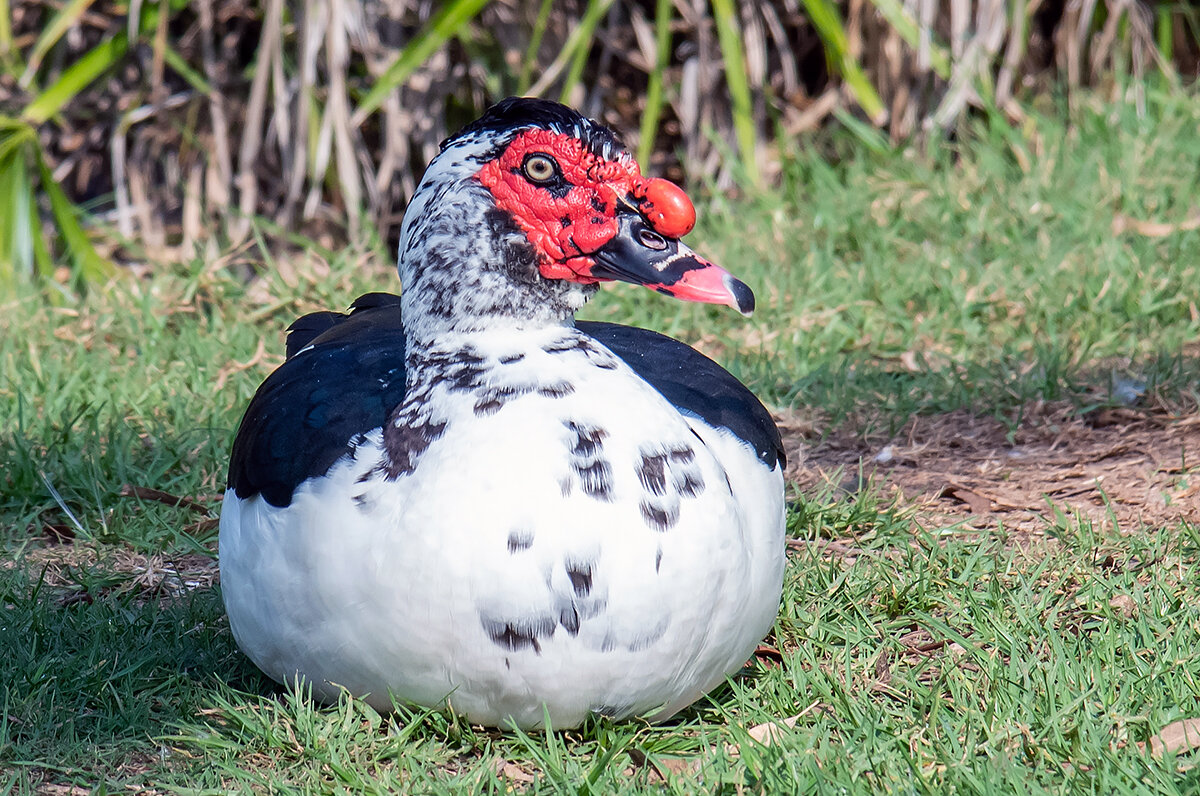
point(137, 132)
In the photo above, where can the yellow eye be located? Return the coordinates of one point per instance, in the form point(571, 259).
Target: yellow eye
point(539, 168)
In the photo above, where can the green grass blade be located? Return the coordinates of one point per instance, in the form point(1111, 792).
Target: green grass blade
point(580, 44)
point(59, 24)
point(18, 229)
point(6, 39)
point(898, 16)
point(729, 36)
point(14, 254)
point(14, 134)
point(43, 260)
point(1164, 24)
point(75, 78)
point(25, 226)
point(449, 22)
point(8, 268)
point(185, 70)
point(868, 136)
point(652, 114)
point(89, 267)
point(535, 44)
point(23, 251)
point(829, 27)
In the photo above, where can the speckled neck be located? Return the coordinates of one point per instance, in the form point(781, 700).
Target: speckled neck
point(465, 266)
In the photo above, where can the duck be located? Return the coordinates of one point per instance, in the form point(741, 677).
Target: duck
point(462, 498)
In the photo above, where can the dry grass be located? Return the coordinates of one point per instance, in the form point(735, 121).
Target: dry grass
point(235, 120)
point(69, 570)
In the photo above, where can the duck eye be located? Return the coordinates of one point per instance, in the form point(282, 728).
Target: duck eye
point(539, 168)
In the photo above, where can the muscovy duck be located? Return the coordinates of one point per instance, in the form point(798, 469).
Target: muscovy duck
point(462, 496)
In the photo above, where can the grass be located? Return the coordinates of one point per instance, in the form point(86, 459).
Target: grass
point(982, 275)
point(919, 658)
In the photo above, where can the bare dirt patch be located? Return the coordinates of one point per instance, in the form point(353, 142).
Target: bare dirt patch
point(1114, 467)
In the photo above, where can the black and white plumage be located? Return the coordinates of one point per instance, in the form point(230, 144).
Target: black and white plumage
point(462, 496)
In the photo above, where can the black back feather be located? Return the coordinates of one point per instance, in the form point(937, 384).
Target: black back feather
point(316, 406)
point(507, 118)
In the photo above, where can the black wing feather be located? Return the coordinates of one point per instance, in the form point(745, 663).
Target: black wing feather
point(312, 410)
point(693, 383)
point(357, 324)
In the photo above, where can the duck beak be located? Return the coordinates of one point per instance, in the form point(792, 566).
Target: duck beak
point(640, 255)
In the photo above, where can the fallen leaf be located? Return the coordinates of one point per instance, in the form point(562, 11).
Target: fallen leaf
point(52, 789)
point(1153, 229)
point(677, 765)
point(1178, 736)
point(883, 667)
point(58, 532)
point(1123, 604)
point(769, 732)
point(233, 366)
point(923, 648)
point(514, 773)
point(768, 655)
point(980, 504)
point(662, 766)
point(201, 527)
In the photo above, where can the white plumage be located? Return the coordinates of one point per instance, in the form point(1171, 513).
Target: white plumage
point(540, 533)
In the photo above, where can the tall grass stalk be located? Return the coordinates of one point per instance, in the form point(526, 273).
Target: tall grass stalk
point(833, 33)
point(332, 118)
point(652, 113)
point(733, 60)
point(580, 45)
point(449, 22)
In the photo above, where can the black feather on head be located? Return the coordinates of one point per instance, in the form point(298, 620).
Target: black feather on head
point(508, 117)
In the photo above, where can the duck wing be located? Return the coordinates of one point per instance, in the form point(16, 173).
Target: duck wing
point(343, 375)
point(694, 384)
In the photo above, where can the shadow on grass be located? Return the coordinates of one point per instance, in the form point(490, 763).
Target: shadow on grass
point(92, 673)
point(878, 392)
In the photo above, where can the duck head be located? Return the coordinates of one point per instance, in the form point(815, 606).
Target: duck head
point(526, 210)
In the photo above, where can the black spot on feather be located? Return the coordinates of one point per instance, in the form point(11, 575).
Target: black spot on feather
point(582, 344)
point(581, 579)
point(591, 468)
point(519, 540)
point(652, 472)
point(569, 619)
point(556, 390)
point(595, 480)
point(683, 454)
point(588, 441)
point(659, 518)
point(519, 634)
point(492, 400)
point(404, 442)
